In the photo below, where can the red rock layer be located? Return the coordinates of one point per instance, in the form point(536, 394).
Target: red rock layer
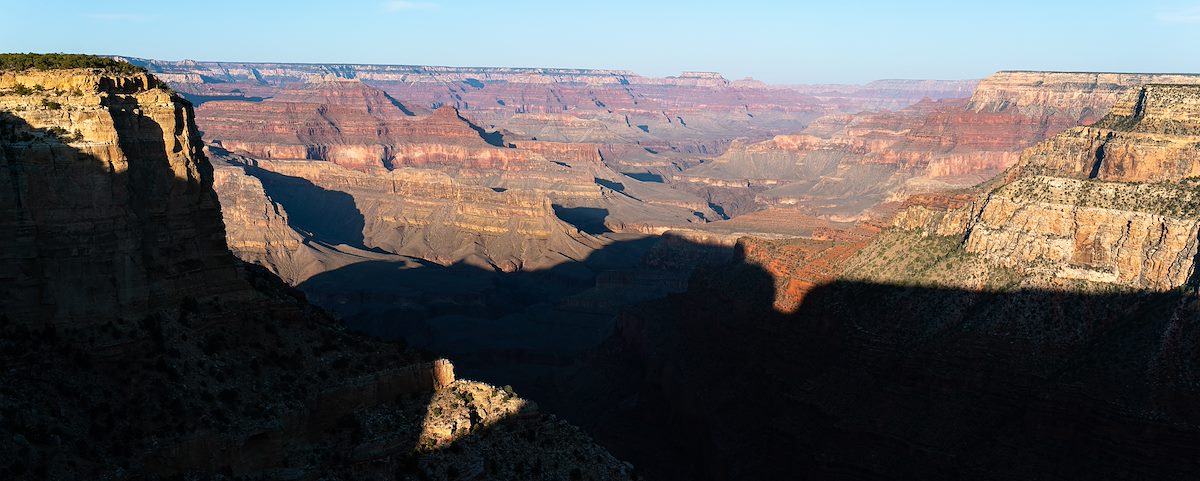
point(799, 266)
point(355, 126)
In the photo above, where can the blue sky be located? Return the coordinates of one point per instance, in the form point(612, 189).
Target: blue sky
point(774, 41)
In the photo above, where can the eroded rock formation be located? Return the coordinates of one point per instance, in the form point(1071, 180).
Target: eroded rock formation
point(1115, 203)
point(676, 119)
point(433, 186)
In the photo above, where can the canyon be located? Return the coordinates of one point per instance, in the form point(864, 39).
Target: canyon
point(797, 158)
point(707, 278)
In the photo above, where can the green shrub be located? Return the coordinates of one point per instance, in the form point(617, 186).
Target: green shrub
point(64, 134)
point(50, 104)
point(51, 61)
point(21, 89)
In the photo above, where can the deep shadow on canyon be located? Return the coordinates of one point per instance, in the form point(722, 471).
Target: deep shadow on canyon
point(878, 381)
point(326, 216)
point(863, 381)
point(521, 328)
point(707, 380)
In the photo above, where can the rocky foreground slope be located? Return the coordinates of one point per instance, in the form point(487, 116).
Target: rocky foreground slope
point(134, 345)
point(1042, 326)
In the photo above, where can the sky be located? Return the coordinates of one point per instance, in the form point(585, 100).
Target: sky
point(780, 42)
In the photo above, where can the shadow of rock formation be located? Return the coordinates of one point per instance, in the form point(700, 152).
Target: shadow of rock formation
point(878, 381)
point(507, 328)
point(323, 215)
point(73, 221)
point(587, 219)
point(494, 138)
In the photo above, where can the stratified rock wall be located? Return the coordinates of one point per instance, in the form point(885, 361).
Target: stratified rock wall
point(123, 188)
point(355, 174)
point(1083, 95)
point(1117, 202)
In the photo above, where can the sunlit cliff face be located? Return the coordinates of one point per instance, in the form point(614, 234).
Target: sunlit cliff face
point(1110, 206)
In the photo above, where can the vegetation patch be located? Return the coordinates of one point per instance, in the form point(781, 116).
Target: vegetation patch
point(55, 61)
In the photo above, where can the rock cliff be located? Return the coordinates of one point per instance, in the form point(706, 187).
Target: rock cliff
point(352, 125)
point(418, 213)
point(103, 174)
point(1114, 203)
point(1150, 136)
point(1082, 95)
point(135, 345)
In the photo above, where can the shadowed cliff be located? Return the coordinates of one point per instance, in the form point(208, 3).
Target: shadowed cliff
point(118, 201)
point(324, 215)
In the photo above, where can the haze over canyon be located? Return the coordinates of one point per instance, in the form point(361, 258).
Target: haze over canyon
point(228, 270)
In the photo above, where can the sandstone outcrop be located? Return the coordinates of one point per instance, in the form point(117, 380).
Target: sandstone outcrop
point(1150, 136)
point(258, 229)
